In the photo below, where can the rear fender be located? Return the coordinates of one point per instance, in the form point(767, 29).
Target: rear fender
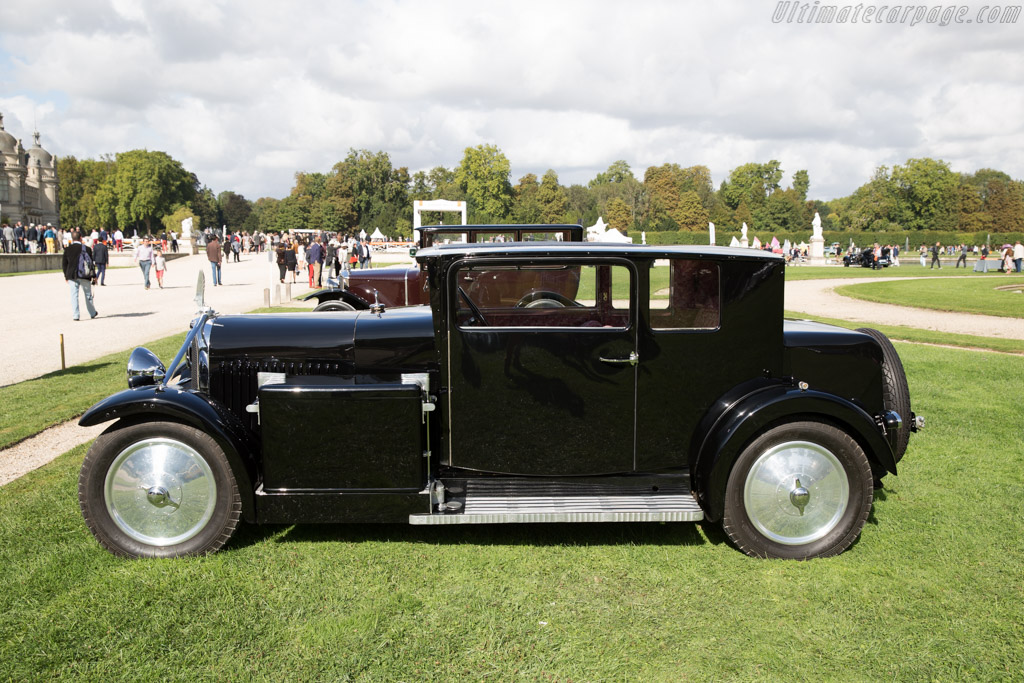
point(322, 295)
point(148, 404)
point(742, 421)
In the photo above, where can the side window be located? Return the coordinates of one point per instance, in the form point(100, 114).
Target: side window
point(685, 295)
point(566, 295)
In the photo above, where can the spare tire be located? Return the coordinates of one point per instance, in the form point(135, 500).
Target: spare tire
point(895, 392)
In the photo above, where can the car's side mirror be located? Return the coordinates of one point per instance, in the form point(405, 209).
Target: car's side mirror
point(412, 252)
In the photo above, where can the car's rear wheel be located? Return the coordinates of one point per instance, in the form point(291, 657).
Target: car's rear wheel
point(800, 490)
point(335, 305)
point(158, 489)
point(895, 392)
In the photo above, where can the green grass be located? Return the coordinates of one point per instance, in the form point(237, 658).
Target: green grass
point(29, 407)
point(933, 590)
point(919, 336)
point(965, 296)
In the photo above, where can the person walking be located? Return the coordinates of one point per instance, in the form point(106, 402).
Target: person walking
point(102, 257)
point(282, 267)
point(144, 257)
point(962, 258)
point(160, 263)
point(79, 272)
point(291, 259)
point(1018, 256)
point(9, 240)
point(215, 256)
point(315, 258)
point(936, 251)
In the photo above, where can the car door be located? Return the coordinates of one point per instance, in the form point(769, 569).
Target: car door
point(541, 364)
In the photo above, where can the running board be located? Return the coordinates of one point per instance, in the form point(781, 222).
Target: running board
point(486, 503)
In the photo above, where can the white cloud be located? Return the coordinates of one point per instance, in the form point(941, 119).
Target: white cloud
point(245, 93)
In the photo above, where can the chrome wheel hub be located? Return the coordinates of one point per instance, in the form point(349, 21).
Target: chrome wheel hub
point(160, 491)
point(796, 492)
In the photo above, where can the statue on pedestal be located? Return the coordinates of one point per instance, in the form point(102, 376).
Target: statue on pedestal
point(817, 255)
point(743, 237)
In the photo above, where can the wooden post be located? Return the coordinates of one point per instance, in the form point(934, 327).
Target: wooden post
point(62, 365)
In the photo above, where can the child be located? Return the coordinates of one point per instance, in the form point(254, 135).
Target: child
point(161, 266)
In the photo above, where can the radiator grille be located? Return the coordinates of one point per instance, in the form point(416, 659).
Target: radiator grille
point(234, 382)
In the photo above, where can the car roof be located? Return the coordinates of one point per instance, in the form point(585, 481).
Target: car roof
point(508, 227)
point(523, 249)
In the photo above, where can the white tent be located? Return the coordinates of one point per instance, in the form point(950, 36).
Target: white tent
point(735, 242)
point(377, 236)
point(613, 235)
point(596, 230)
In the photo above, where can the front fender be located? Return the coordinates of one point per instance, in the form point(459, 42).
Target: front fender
point(742, 421)
point(157, 403)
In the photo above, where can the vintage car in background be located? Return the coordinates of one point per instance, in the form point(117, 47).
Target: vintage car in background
point(406, 285)
point(651, 384)
point(866, 259)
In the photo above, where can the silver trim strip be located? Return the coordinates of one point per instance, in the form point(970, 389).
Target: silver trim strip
point(570, 517)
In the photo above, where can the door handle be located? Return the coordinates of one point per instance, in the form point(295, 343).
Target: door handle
point(632, 360)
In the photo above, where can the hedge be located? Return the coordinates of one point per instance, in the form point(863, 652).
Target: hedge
point(916, 238)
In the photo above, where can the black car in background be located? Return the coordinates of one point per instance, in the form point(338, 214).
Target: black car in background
point(544, 382)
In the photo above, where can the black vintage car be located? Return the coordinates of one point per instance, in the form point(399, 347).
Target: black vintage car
point(544, 382)
point(866, 259)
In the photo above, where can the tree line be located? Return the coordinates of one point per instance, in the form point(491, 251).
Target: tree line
point(150, 190)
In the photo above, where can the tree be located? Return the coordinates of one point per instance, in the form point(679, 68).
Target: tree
point(145, 186)
point(173, 220)
point(691, 214)
point(752, 183)
point(581, 205)
point(76, 195)
point(379, 192)
point(618, 215)
point(928, 194)
point(618, 172)
point(204, 206)
point(551, 198)
point(234, 210)
point(801, 182)
point(483, 175)
point(525, 207)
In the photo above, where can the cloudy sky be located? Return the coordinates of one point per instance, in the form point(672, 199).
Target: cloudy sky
point(246, 93)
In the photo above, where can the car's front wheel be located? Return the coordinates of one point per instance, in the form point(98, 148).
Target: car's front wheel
point(158, 489)
point(800, 490)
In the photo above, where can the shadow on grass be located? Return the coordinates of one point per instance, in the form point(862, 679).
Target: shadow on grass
point(597, 534)
point(73, 370)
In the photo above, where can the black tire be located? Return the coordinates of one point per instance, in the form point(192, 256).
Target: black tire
point(135, 513)
point(895, 392)
point(334, 305)
point(762, 517)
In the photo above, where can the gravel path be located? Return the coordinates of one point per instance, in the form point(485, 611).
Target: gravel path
point(818, 297)
point(167, 311)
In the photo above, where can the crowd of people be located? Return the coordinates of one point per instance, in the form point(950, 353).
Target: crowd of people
point(319, 253)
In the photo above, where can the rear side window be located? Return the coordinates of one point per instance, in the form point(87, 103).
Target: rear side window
point(685, 295)
point(569, 295)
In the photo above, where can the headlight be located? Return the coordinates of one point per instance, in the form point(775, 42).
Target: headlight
point(144, 368)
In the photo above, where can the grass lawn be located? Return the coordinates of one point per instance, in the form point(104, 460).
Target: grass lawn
point(966, 296)
point(933, 590)
point(29, 407)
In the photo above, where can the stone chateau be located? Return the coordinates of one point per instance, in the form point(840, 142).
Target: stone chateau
point(28, 181)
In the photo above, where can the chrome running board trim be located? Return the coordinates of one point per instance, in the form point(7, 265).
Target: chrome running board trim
point(567, 517)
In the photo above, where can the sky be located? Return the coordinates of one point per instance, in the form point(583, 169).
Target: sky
point(246, 93)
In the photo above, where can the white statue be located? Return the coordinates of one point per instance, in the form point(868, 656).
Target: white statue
point(816, 224)
point(743, 232)
point(711, 229)
point(643, 237)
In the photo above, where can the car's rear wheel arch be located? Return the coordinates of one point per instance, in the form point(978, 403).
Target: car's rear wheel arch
point(745, 423)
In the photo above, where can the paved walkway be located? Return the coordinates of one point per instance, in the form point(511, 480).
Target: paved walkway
point(37, 310)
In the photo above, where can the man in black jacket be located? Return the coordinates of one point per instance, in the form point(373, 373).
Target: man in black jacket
point(79, 273)
point(102, 257)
